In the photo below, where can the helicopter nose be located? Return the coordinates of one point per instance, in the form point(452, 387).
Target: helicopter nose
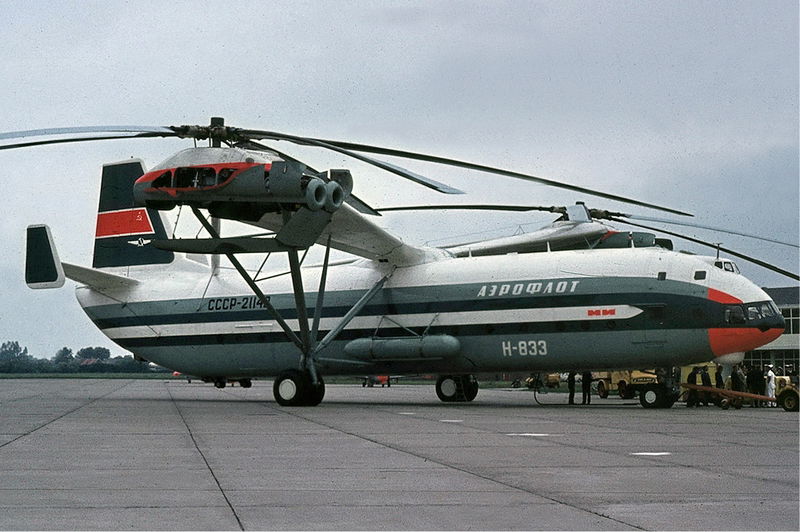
point(775, 323)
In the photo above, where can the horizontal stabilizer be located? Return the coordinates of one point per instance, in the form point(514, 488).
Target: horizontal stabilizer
point(97, 279)
point(42, 267)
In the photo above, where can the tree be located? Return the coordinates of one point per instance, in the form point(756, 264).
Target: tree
point(100, 353)
point(63, 356)
point(15, 359)
point(12, 351)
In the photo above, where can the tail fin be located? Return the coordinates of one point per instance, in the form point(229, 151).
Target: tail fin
point(124, 231)
point(42, 267)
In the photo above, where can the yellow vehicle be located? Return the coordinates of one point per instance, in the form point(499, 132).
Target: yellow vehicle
point(535, 381)
point(625, 383)
point(786, 394)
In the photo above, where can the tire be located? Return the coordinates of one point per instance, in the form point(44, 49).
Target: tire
point(653, 396)
point(246, 383)
point(602, 389)
point(470, 387)
point(315, 393)
point(788, 399)
point(291, 388)
point(447, 388)
point(625, 390)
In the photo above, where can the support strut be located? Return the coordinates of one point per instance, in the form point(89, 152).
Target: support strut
point(251, 283)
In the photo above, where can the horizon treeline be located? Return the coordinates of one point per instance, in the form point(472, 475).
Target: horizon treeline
point(15, 358)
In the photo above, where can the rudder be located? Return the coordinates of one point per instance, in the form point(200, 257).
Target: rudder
point(124, 231)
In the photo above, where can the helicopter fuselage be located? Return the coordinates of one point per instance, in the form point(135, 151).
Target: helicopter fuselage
point(590, 309)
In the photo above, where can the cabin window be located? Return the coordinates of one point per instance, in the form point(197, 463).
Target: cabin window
point(662, 276)
point(225, 173)
point(195, 177)
point(164, 180)
point(699, 275)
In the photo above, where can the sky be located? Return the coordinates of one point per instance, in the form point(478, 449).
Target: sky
point(687, 104)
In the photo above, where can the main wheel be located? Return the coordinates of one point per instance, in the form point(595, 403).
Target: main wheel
point(447, 388)
point(245, 383)
point(653, 396)
point(315, 392)
point(470, 387)
point(291, 388)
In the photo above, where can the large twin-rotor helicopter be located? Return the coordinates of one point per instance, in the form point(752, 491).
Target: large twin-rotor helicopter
point(575, 294)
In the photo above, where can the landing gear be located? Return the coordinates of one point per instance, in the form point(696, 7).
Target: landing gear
point(653, 396)
point(245, 383)
point(456, 388)
point(657, 396)
point(220, 383)
point(295, 388)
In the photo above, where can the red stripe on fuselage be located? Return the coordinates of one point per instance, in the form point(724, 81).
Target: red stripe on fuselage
point(722, 297)
point(123, 223)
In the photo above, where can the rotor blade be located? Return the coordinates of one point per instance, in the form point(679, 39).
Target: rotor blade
point(402, 172)
point(712, 228)
point(489, 169)
point(714, 246)
point(82, 139)
point(513, 208)
point(85, 129)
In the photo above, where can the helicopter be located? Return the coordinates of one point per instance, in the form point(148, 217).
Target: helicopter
point(577, 293)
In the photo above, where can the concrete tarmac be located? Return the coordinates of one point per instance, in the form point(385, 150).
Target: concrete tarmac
point(168, 455)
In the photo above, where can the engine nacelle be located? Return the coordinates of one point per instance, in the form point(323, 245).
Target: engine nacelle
point(271, 183)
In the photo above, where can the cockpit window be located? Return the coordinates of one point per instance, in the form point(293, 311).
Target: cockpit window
point(734, 314)
point(753, 312)
point(727, 265)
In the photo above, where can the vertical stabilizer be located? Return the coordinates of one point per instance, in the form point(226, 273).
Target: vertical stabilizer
point(124, 231)
point(42, 267)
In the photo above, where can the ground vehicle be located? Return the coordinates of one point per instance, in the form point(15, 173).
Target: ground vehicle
point(535, 381)
point(627, 383)
point(787, 394)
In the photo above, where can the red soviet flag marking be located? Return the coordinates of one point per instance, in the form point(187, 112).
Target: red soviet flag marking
point(123, 223)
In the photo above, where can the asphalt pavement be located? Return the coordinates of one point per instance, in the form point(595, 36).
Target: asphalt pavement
point(165, 454)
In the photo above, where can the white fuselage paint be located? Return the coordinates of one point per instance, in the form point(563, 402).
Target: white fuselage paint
point(602, 275)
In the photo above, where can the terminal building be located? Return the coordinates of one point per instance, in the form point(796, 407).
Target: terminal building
point(784, 351)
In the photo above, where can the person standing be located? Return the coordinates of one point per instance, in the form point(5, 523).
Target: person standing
point(571, 386)
point(770, 385)
point(586, 387)
point(753, 376)
point(692, 398)
point(719, 382)
point(737, 379)
point(706, 380)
